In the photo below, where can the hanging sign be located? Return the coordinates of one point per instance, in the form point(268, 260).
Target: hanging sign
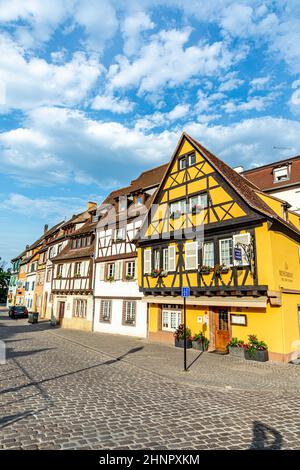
point(238, 254)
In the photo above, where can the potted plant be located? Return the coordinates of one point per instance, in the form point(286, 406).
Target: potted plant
point(163, 273)
point(155, 272)
point(175, 214)
point(129, 277)
point(205, 269)
point(256, 350)
point(236, 347)
point(196, 209)
point(59, 276)
point(180, 334)
point(219, 269)
point(200, 342)
point(110, 278)
point(77, 275)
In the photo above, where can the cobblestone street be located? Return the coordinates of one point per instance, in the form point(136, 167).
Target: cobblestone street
point(59, 390)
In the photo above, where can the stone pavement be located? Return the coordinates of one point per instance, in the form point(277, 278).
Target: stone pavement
point(207, 369)
point(59, 391)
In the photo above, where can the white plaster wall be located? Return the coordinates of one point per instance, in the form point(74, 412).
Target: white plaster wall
point(292, 196)
point(116, 327)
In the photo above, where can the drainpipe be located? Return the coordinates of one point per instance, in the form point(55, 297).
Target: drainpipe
point(94, 281)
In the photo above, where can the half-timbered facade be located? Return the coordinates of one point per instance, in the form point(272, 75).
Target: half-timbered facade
point(236, 248)
point(118, 302)
point(72, 274)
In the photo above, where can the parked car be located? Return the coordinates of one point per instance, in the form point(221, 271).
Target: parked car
point(18, 311)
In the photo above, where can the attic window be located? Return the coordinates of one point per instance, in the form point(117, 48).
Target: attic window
point(139, 200)
point(122, 204)
point(281, 174)
point(187, 160)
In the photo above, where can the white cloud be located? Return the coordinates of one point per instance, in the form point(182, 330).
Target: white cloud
point(249, 142)
point(99, 20)
point(65, 145)
point(30, 81)
point(132, 28)
point(165, 62)
point(159, 119)
point(295, 97)
point(46, 209)
point(259, 83)
point(230, 84)
point(255, 103)
point(113, 104)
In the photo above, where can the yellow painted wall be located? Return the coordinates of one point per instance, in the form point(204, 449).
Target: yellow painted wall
point(77, 324)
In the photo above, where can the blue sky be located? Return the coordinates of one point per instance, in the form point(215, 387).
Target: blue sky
point(92, 92)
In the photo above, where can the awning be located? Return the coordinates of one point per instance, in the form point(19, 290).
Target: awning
point(215, 301)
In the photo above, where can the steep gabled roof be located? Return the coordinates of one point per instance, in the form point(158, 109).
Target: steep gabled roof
point(243, 187)
point(147, 179)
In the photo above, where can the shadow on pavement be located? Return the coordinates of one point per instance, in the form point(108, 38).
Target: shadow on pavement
point(265, 437)
point(39, 382)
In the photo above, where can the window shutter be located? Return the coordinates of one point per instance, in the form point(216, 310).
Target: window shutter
point(147, 261)
point(134, 311)
point(101, 310)
point(101, 271)
point(124, 312)
point(171, 258)
point(119, 270)
point(244, 239)
point(191, 255)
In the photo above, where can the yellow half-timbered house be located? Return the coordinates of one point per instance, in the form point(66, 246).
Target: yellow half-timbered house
point(237, 249)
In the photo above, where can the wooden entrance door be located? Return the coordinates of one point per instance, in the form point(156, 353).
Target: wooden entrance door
point(222, 334)
point(61, 312)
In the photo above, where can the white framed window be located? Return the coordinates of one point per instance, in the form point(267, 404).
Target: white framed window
point(129, 312)
point(122, 203)
point(281, 174)
point(139, 201)
point(105, 311)
point(171, 319)
point(178, 207)
point(191, 256)
point(226, 251)
point(59, 270)
point(241, 241)
point(147, 260)
point(192, 159)
point(120, 233)
point(171, 258)
point(165, 259)
point(111, 270)
point(156, 254)
point(118, 270)
point(182, 163)
point(130, 269)
point(79, 308)
point(77, 269)
point(208, 254)
point(199, 202)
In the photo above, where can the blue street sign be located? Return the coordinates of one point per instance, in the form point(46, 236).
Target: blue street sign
point(185, 292)
point(238, 254)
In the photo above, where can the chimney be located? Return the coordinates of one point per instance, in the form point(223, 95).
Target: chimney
point(239, 169)
point(45, 228)
point(91, 205)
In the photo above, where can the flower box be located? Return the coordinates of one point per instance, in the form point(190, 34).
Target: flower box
point(236, 351)
point(179, 343)
point(260, 355)
point(199, 345)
